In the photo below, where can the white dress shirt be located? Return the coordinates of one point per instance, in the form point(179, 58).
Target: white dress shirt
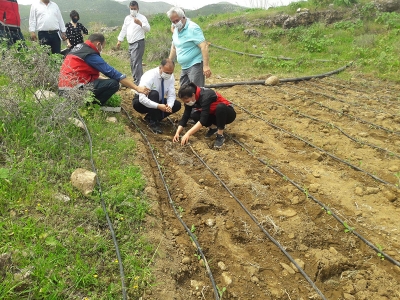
point(45, 17)
point(133, 31)
point(152, 80)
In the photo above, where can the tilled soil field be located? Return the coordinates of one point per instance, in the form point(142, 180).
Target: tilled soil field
point(299, 158)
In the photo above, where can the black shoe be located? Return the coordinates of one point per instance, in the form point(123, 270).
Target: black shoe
point(219, 141)
point(155, 127)
point(211, 132)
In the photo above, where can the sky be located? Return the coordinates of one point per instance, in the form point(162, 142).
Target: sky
point(197, 4)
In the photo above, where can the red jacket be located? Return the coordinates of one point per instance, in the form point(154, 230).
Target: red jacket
point(75, 70)
point(9, 14)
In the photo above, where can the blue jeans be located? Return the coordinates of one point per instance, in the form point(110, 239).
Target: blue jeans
point(11, 35)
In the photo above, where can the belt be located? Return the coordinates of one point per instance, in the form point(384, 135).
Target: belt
point(49, 31)
point(136, 41)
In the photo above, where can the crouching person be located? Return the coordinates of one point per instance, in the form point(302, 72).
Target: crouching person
point(210, 109)
point(161, 101)
point(82, 67)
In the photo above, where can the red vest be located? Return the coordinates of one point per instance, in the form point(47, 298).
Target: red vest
point(9, 14)
point(75, 70)
point(213, 106)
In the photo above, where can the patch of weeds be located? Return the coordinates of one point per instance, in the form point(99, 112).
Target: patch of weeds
point(114, 101)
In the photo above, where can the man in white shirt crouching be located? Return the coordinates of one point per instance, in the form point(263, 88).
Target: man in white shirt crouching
point(161, 101)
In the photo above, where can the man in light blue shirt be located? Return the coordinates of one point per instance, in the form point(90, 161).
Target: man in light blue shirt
point(189, 47)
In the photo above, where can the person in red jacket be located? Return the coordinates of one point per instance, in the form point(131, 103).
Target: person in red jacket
point(10, 22)
point(82, 67)
point(211, 110)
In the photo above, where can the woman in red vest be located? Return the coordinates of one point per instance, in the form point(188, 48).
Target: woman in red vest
point(207, 108)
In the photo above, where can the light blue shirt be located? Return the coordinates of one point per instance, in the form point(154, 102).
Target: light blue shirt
point(186, 43)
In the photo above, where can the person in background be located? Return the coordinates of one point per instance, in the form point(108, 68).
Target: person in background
point(74, 30)
point(45, 17)
point(161, 101)
point(134, 28)
point(215, 113)
point(82, 67)
point(189, 47)
point(10, 22)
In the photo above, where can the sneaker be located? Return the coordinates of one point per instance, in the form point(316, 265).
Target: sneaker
point(211, 132)
point(219, 141)
point(155, 127)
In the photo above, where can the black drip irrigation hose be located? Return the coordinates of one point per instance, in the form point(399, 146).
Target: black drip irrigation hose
point(262, 82)
point(260, 226)
point(387, 100)
point(316, 147)
point(351, 116)
point(171, 202)
point(326, 208)
point(333, 125)
point(354, 104)
point(261, 56)
point(103, 205)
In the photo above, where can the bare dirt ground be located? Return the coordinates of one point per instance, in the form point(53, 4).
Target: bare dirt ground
point(353, 122)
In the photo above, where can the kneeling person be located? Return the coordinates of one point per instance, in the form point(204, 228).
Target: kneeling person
point(161, 101)
point(211, 110)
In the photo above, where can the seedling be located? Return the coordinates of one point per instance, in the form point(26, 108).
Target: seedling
point(193, 229)
point(348, 228)
point(398, 178)
point(306, 192)
point(327, 210)
point(380, 255)
point(221, 291)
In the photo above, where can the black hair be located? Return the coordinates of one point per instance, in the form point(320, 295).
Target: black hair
point(167, 61)
point(97, 37)
point(74, 13)
point(134, 3)
point(187, 90)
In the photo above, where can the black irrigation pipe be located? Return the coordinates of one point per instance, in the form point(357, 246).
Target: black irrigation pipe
point(361, 91)
point(316, 147)
point(171, 202)
point(352, 117)
point(263, 56)
point(354, 104)
point(271, 238)
point(333, 125)
point(262, 82)
point(103, 205)
point(326, 208)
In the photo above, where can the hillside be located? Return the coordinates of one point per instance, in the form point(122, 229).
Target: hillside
point(112, 13)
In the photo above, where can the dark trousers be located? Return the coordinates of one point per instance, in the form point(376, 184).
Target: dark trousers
point(103, 89)
point(11, 35)
point(154, 113)
point(223, 115)
point(50, 39)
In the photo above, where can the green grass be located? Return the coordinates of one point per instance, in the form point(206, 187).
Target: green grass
point(60, 246)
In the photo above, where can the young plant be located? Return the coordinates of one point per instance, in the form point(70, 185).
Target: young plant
point(348, 228)
point(221, 292)
point(380, 255)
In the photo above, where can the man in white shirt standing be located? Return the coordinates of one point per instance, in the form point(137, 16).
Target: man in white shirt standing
point(134, 28)
point(161, 101)
point(45, 17)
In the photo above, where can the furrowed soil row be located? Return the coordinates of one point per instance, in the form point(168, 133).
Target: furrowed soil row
point(336, 260)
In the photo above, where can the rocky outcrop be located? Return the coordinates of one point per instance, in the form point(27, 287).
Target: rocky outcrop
point(388, 5)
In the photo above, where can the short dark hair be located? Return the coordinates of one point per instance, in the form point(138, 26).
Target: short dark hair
point(74, 13)
point(167, 61)
point(97, 37)
point(133, 3)
point(187, 90)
